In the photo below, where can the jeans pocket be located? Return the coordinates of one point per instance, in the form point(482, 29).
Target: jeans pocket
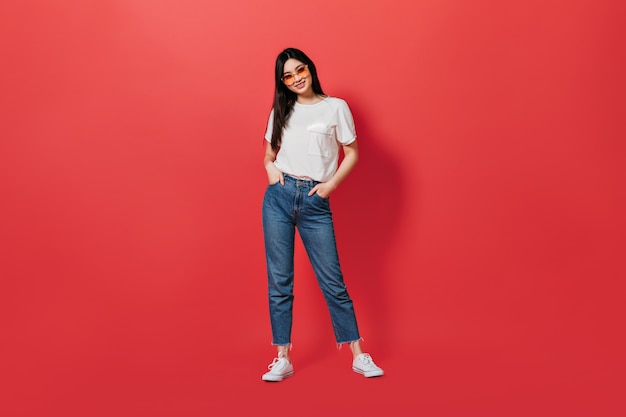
point(316, 195)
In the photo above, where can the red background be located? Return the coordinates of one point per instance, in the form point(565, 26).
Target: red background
point(481, 235)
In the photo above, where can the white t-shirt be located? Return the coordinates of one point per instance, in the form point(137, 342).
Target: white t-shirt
point(312, 138)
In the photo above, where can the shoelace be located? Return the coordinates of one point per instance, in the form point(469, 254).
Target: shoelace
point(366, 360)
point(276, 361)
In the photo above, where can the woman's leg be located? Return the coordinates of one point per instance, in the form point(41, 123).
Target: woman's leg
point(315, 226)
point(279, 233)
point(355, 347)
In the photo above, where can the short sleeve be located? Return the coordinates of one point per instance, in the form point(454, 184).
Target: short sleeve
point(346, 133)
point(270, 125)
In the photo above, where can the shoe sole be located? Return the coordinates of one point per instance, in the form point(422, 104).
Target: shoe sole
point(276, 378)
point(368, 374)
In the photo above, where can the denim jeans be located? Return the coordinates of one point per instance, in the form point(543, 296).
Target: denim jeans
point(286, 207)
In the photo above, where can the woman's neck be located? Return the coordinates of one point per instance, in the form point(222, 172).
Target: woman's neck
point(310, 98)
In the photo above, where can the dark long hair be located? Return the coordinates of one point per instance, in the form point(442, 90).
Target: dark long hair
point(284, 99)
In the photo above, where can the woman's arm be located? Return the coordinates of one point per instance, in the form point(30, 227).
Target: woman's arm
point(350, 158)
point(273, 173)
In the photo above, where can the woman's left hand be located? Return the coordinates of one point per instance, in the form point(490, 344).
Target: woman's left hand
point(323, 189)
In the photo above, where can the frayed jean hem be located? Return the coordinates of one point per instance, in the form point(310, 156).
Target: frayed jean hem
point(340, 344)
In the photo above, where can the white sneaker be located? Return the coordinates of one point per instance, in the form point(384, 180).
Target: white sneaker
point(364, 365)
point(279, 369)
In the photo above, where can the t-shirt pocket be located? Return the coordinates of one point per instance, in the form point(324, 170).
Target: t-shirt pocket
point(321, 141)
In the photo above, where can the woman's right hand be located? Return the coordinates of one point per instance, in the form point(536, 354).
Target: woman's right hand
point(274, 175)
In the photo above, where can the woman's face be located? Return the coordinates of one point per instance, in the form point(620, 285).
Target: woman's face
point(297, 77)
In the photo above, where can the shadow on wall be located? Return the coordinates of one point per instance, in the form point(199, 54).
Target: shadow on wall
point(367, 210)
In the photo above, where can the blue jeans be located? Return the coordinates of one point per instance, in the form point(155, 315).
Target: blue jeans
point(286, 207)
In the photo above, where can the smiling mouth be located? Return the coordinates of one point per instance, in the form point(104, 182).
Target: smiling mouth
point(299, 84)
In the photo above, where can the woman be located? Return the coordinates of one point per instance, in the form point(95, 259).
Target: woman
point(305, 131)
